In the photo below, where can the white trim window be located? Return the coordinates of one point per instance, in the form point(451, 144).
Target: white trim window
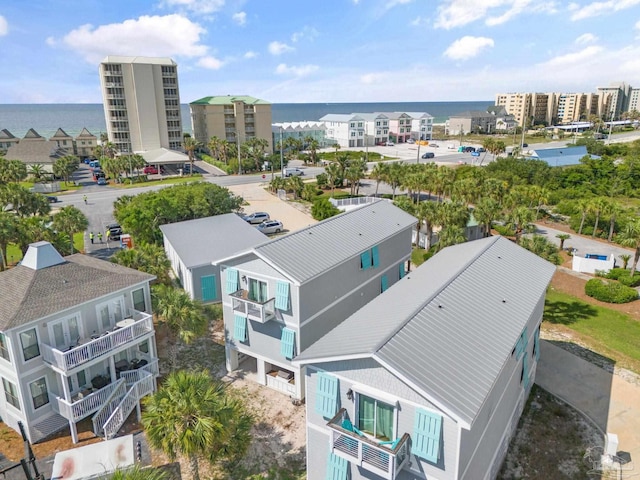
point(4, 348)
point(375, 418)
point(110, 312)
point(29, 341)
point(39, 393)
point(11, 393)
point(258, 291)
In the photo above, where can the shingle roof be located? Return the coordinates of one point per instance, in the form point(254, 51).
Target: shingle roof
point(334, 240)
point(86, 134)
point(448, 327)
point(229, 99)
point(6, 134)
point(205, 240)
point(27, 294)
point(60, 133)
point(32, 135)
point(44, 152)
point(473, 114)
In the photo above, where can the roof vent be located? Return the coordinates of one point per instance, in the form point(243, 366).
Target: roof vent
point(440, 306)
point(504, 300)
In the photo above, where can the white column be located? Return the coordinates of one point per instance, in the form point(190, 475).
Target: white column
point(262, 374)
point(74, 431)
point(300, 379)
point(112, 369)
point(65, 388)
point(231, 358)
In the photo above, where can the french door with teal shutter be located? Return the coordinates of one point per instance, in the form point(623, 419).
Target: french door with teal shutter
point(208, 286)
point(375, 418)
point(257, 291)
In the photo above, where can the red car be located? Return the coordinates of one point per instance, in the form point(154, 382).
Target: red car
point(152, 170)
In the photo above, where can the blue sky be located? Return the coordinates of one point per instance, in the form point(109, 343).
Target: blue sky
point(323, 51)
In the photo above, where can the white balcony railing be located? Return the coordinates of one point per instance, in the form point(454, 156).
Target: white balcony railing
point(254, 310)
point(144, 386)
point(90, 349)
point(85, 406)
point(366, 453)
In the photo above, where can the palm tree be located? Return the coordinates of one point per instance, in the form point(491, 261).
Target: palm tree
point(192, 415)
point(312, 146)
point(379, 172)
point(520, 217)
point(138, 472)
point(563, 237)
point(598, 205)
point(394, 177)
point(485, 211)
point(427, 214)
point(450, 235)
point(337, 147)
point(190, 145)
point(614, 209)
point(583, 206)
point(257, 147)
point(70, 220)
point(8, 234)
point(38, 172)
point(625, 257)
point(214, 145)
point(64, 167)
point(630, 237)
point(333, 172)
point(354, 173)
point(146, 257)
point(183, 316)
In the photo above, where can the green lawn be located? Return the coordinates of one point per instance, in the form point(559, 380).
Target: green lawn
point(196, 177)
point(14, 254)
point(605, 331)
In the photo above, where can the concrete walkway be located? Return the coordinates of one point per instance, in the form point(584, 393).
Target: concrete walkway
point(611, 402)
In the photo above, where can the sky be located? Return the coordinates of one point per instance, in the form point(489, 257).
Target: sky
point(292, 51)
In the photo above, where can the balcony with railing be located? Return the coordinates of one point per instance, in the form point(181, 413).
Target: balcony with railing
point(253, 309)
point(126, 331)
point(83, 405)
point(229, 111)
point(385, 460)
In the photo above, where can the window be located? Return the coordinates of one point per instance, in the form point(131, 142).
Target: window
point(39, 393)
point(336, 467)
point(375, 259)
point(208, 285)
point(524, 375)
point(384, 283)
point(352, 125)
point(521, 345)
point(144, 347)
point(139, 303)
point(365, 260)
point(282, 296)
point(4, 348)
point(240, 328)
point(427, 429)
point(257, 290)
point(11, 393)
point(402, 270)
point(353, 134)
point(30, 348)
point(536, 345)
point(326, 395)
point(375, 418)
point(232, 280)
point(287, 343)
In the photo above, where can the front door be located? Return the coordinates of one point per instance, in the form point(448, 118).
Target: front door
point(65, 333)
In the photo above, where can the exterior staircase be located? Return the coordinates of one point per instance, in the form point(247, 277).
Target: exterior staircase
point(133, 385)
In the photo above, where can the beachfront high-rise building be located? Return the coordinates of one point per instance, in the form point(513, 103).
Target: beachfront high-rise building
point(141, 103)
point(614, 99)
point(235, 119)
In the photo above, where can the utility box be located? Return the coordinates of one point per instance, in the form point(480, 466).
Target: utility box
point(126, 241)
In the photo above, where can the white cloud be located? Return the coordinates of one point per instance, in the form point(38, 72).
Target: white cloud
point(210, 62)
point(196, 6)
point(419, 21)
point(308, 33)
point(467, 47)
point(4, 26)
point(298, 71)
point(250, 54)
point(596, 9)
point(152, 36)
point(371, 78)
point(585, 39)
point(278, 48)
point(574, 58)
point(240, 18)
point(456, 13)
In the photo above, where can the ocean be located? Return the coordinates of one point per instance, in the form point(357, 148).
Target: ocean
point(72, 118)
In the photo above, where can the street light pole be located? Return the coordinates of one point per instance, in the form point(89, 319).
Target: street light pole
point(239, 160)
point(281, 154)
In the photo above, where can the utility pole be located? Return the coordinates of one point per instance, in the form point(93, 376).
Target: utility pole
point(281, 154)
point(239, 159)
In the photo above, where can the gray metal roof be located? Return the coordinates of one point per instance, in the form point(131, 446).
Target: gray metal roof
point(334, 240)
point(27, 294)
point(448, 327)
point(205, 240)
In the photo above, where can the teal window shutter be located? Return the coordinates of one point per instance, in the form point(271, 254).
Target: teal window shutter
point(336, 467)
point(402, 271)
point(232, 280)
point(427, 430)
point(384, 283)
point(287, 343)
point(326, 395)
point(525, 372)
point(208, 285)
point(282, 296)
point(375, 258)
point(365, 260)
point(240, 328)
point(536, 344)
point(521, 346)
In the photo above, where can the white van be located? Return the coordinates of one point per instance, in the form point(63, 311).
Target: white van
point(293, 172)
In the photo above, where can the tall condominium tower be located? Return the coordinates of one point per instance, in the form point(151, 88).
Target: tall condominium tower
point(141, 103)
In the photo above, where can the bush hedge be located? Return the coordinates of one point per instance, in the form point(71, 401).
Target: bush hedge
point(610, 292)
point(624, 277)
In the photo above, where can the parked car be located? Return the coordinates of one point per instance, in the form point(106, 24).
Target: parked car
point(115, 231)
point(270, 226)
point(481, 149)
point(52, 199)
point(390, 144)
point(423, 142)
point(94, 164)
point(411, 140)
point(152, 170)
point(293, 172)
point(469, 149)
point(186, 168)
point(525, 145)
point(434, 145)
point(256, 217)
point(102, 181)
point(428, 155)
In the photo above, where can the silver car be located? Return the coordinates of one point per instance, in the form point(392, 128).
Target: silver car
point(270, 226)
point(256, 218)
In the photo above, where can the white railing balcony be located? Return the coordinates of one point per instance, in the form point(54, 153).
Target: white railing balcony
point(115, 95)
point(365, 452)
point(253, 309)
point(81, 405)
point(229, 111)
point(126, 331)
point(145, 386)
point(133, 376)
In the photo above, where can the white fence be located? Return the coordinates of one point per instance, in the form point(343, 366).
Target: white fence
point(592, 262)
point(346, 204)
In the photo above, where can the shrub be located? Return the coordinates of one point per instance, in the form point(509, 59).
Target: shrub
point(322, 180)
point(322, 209)
point(217, 163)
point(610, 292)
point(624, 277)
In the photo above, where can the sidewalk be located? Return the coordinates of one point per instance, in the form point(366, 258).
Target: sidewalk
point(611, 402)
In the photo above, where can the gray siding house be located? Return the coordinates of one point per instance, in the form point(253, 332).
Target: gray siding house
point(76, 340)
point(428, 380)
point(194, 246)
point(282, 296)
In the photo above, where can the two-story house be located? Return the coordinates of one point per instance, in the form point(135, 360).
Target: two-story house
point(429, 379)
point(76, 339)
point(282, 296)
